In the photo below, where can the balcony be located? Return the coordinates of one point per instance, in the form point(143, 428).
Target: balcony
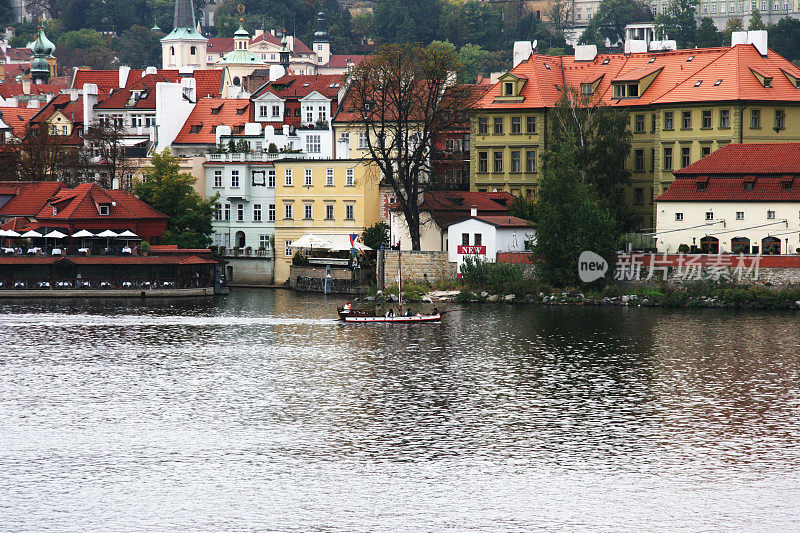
point(257, 157)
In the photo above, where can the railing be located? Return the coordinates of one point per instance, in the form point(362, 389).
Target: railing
point(258, 157)
point(248, 252)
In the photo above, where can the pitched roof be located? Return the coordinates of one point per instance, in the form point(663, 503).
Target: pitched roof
point(751, 159)
point(82, 201)
point(27, 198)
point(19, 54)
point(342, 60)
point(17, 119)
point(449, 207)
point(505, 221)
point(122, 98)
point(208, 113)
point(220, 45)
point(730, 189)
point(724, 75)
point(13, 89)
point(209, 81)
point(294, 86)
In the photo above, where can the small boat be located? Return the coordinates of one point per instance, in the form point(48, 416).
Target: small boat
point(437, 317)
point(347, 311)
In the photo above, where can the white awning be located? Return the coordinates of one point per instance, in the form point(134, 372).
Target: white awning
point(31, 233)
point(107, 234)
point(336, 242)
point(55, 234)
point(82, 234)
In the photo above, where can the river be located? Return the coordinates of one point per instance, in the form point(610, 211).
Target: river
point(259, 412)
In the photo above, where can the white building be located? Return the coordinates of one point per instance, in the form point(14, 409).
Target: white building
point(484, 236)
point(184, 47)
point(743, 198)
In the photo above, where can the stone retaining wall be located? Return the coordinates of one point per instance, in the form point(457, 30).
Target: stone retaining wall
point(417, 266)
point(107, 293)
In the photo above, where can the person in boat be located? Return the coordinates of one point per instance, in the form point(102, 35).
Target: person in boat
point(435, 311)
point(347, 307)
point(409, 312)
point(390, 313)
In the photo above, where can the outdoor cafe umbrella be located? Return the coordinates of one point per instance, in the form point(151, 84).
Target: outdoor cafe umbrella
point(108, 234)
point(309, 240)
point(8, 233)
point(83, 235)
point(55, 234)
point(31, 234)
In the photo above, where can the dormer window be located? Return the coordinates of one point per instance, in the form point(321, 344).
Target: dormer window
point(587, 89)
point(508, 88)
point(786, 185)
point(690, 58)
point(105, 210)
point(195, 128)
point(241, 111)
point(216, 110)
point(748, 185)
point(702, 185)
point(55, 210)
point(626, 90)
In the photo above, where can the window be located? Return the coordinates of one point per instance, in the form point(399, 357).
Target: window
point(478, 239)
point(308, 180)
point(685, 156)
point(780, 119)
point(639, 124)
point(702, 185)
point(271, 178)
point(276, 111)
point(739, 215)
point(668, 122)
point(515, 166)
point(287, 177)
point(652, 159)
point(349, 177)
point(234, 178)
point(287, 211)
point(258, 178)
point(755, 119)
point(263, 242)
point(483, 125)
point(530, 124)
point(64, 130)
point(748, 185)
point(770, 215)
point(483, 162)
point(508, 89)
point(329, 177)
point(105, 210)
point(516, 125)
point(638, 160)
point(227, 211)
point(706, 123)
point(498, 125)
point(271, 213)
point(362, 140)
point(256, 212)
point(678, 217)
point(240, 212)
point(530, 161)
point(705, 150)
point(349, 212)
point(307, 212)
point(195, 128)
point(217, 212)
point(667, 158)
point(328, 211)
point(498, 162)
point(638, 196)
point(686, 120)
point(287, 248)
point(724, 118)
point(313, 145)
point(217, 178)
point(465, 239)
point(709, 215)
point(310, 115)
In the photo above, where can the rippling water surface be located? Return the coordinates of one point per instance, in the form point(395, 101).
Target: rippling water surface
point(258, 411)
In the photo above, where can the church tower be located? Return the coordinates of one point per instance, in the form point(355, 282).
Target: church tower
point(322, 42)
point(184, 46)
point(40, 67)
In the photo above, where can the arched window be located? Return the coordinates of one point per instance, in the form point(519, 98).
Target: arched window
point(740, 245)
point(172, 50)
point(193, 50)
point(709, 245)
point(770, 246)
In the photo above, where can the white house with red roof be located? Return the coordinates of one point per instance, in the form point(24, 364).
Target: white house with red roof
point(484, 236)
point(743, 198)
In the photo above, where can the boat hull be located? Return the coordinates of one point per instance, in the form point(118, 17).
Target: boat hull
point(393, 319)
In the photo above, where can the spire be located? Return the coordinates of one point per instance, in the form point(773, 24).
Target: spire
point(184, 14)
point(40, 68)
point(321, 35)
point(284, 53)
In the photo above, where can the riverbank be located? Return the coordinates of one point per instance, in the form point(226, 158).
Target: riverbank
point(109, 293)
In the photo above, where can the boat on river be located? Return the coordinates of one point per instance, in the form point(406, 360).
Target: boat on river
point(394, 319)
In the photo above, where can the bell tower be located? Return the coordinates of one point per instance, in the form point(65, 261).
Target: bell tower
point(184, 46)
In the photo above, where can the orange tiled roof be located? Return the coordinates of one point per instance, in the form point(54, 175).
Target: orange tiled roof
point(747, 159)
point(208, 113)
point(681, 70)
point(119, 98)
point(295, 86)
point(17, 119)
point(209, 81)
point(81, 203)
point(27, 198)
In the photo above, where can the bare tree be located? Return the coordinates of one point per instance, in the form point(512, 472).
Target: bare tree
point(403, 97)
point(105, 155)
point(560, 13)
point(40, 155)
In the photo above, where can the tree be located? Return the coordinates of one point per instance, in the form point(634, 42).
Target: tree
point(139, 47)
point(403, 97)
point(561, 17)
point(784, 36)
point(170, 191)
point(707, 34)
point(407, 21)
point(376, 235)
point(474, 61)
point(6, 12)
point(105, 154)
point(733, 24)
point(755, 21)
point(603, 141)
point(40, 157)
point(571, 218)
point(679, 23)
point(614, 15)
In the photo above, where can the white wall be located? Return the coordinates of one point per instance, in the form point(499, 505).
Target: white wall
point(172, 110)
point(755, 214)
point(495, 239)
point(432, 237)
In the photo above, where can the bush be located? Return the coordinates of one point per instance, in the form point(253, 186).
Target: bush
point(498, 278)
point(683, 249)
point(144, 246)
point(298, 259)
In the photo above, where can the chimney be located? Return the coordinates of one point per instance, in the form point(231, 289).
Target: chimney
point(473, 211)
point(149, 70)
point(90, 98)
point(123, 76)
point(585, 52)
point(522, 51)
point(758, 39)
point(26, 86)
point(189, 88)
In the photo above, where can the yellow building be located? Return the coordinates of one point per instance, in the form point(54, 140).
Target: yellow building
point(683, 104)
point(321, 196)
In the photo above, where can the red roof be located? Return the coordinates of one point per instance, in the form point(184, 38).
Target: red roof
point(295, 86)
point(342, 60)
point(505, 221)
point(146, 86)
point(755, 159)
point(449, 207)
point(17, 119)
point(19, 54)
point(209, 82)
point(739, 189)
point(14, 89)
point(27, 198)
point(724, 74)
point(200, 127)
point(220, 45)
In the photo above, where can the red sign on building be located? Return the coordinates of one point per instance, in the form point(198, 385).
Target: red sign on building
point(471, 250)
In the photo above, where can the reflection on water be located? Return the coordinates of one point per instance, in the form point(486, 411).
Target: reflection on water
point(259, 411)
